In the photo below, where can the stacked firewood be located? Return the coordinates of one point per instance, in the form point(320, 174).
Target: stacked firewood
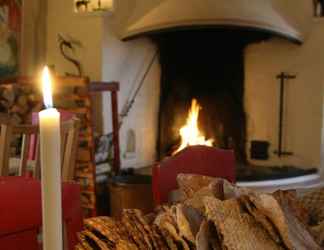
point(20, 102)
point(214, 214)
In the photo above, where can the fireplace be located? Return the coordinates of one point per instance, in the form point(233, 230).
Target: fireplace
point(204, 51)
point(201, 50)
point(206, 65)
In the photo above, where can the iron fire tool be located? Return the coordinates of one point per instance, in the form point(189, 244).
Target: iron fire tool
point(283, 77)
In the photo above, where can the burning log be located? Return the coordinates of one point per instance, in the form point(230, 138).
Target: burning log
point(190, 133)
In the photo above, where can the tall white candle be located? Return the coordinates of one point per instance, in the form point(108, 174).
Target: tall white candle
point(49, 122)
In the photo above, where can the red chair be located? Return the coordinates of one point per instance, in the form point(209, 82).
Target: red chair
point(201, 160)
point(21, 213)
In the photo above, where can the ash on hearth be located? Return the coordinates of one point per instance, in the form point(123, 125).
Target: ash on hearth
point(214, 214)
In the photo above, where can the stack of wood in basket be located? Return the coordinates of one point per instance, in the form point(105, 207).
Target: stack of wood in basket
point(214, 214)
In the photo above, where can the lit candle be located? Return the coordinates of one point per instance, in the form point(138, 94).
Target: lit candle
point(49, 123)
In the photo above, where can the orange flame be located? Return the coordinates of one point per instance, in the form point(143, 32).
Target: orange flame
point(190, 133)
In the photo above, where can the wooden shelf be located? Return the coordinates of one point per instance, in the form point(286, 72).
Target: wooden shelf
point(76, 96)
point(103, 86)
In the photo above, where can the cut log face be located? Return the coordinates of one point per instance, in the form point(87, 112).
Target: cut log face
point(22, 101)
point(318, 233)
point(314, 204)
point(244, 233)
point(207, 238)
point(261, 218)
point(9, 95)
point(189, 184)
point(292, 231)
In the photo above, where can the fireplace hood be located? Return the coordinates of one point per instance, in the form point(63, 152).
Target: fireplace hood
point(168, 15)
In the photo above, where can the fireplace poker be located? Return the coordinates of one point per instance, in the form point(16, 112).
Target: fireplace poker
point(130, 101)
point(283, 77)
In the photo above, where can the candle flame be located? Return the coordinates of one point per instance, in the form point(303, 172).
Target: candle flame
point(190, 133)
point(47, 88)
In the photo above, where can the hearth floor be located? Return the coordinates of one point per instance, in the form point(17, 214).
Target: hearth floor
point(258, 173)
point(261, 173)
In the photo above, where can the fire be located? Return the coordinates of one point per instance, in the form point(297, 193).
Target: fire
point(190, 133)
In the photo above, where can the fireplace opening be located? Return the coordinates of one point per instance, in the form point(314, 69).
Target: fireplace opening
point(206, 65)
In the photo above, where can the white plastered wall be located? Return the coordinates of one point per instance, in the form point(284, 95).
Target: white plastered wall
point(127, 63)
point(303, 107)
point(106, 58)
point(86, 29)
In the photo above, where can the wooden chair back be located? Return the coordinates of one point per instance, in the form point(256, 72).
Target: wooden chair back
point(69, 147)
point(5, 138)
point(8, 131)
point(30, 138)
point(26, 132)
point(201, 160)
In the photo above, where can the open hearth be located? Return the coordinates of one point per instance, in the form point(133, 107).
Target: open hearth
point(208, 65)
point(229, 61)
